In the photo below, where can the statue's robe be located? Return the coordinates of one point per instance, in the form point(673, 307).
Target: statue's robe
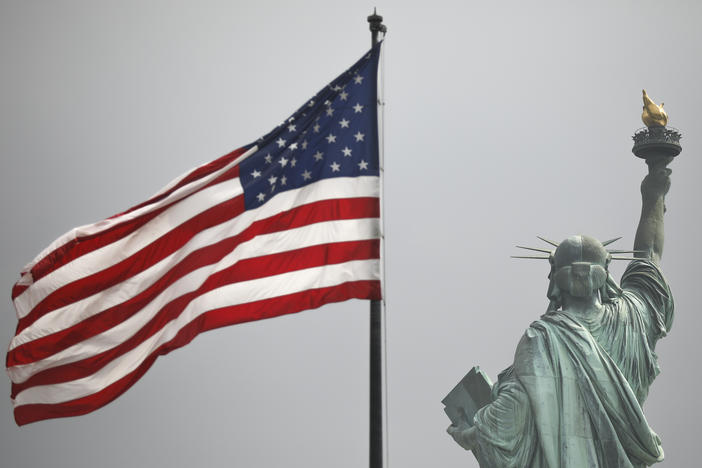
point(573, 396)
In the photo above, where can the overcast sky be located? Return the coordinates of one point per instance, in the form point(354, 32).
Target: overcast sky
point(504, 120)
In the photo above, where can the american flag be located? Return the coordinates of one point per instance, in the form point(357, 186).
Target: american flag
point(287, 223)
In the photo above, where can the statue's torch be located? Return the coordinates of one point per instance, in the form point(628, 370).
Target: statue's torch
point(657, 143)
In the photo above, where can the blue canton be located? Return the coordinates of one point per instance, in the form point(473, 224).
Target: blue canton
point(334, 134)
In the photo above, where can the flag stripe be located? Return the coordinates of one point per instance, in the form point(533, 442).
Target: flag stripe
point(236, 293)
point(263, 238)
point(99, 350)
point(311, 299)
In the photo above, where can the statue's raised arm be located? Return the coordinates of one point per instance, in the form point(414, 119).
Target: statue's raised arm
point(650, 234)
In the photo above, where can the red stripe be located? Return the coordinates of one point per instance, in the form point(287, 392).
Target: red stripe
point(18, 289)
point(311, 299)
point(140, 261)
point(252, 268)
point(78, 247)
point(197, 173)
point(325, 210)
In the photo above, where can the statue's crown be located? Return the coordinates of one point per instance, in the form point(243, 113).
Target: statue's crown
point(579, 248)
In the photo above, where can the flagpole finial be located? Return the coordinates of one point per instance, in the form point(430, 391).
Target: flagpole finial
point(376, 26)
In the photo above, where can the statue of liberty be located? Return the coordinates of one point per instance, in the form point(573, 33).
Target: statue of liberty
point(573, 396)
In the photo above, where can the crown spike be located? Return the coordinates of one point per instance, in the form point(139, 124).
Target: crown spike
point(534, 249)
point(530, 257)
point(626, 251)
point(555, 244)
point(607, 242)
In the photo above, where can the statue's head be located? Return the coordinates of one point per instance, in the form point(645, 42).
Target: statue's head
point(579, 266)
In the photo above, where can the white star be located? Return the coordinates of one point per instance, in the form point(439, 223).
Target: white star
point(357, 108)
point(330, 111)
point(315, 129)
point(255, 173)
point(306, 175)
point(357, 79)
point(291, 119)
point(327, 103)
point(331, 138)
point(283, 180)
point(304, 145)
point(334, 167)
point(344, 123)
point(346, 151)
point(343, 95)
point(359, 136)
point(272, 179)
point(293, 146)
point(293, 162)
point(337, 88)
point(283, 161)
point(363, 165)
point(292, 128)
point(311, 103)
point(318, 156)
point(268, 158)
point(280, 142)
point(261, 196)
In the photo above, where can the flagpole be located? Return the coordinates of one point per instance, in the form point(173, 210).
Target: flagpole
point(375, 448)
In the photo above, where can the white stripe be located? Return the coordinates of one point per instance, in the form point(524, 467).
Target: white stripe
point(239, 293)
point(111, 254)
point(292, 239)
point(59, 319)
point(184, 191)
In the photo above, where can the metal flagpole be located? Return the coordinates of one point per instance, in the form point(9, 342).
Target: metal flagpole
point(376, 333)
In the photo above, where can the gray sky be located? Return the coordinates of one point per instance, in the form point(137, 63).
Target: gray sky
point(504, 120)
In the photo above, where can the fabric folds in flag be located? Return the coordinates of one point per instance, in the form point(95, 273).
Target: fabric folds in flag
point(288, 223)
